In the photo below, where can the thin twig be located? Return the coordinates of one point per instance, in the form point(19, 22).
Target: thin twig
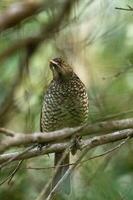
point(7, 132)
point(68, 172)
point(46, 189)
point(9, 178)
point(126, 9)
point(15, 171)
point(113, 116)
point(15, 157)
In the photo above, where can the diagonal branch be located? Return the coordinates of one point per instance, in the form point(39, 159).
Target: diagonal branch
point(47, 32)
point(129, 8)
point(104, 138)
point(17, 12)
point(47, 187)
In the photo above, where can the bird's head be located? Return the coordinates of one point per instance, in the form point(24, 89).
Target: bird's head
point(60, 69)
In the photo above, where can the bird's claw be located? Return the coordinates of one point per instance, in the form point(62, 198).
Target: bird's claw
point(76, 144)
point(40, 146)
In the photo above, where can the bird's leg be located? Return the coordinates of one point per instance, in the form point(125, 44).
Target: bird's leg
point(76, 140)
point(41, 145)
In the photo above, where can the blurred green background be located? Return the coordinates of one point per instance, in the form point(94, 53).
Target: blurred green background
point(97, 40)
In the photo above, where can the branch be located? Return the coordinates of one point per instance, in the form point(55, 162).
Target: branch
point(11, 175)
point(20, 139)
point(47, 32)
point(85, 160)
point(45, 191)
point(100, 140)
point(7, 132)
point(17, 12)
point(47, 187)
point(126, 9)
point(16, 156)
point(57, 147)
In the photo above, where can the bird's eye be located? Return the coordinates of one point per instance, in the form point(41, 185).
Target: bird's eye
point(59, 61)
point(55, 65)
point(62, 62)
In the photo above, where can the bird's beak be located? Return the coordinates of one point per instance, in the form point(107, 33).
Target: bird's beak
point(52, 62)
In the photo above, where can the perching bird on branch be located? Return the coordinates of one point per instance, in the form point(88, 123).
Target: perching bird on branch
point(65, 104)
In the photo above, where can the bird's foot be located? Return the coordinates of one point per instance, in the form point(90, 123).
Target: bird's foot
point(41, 145)
point(76, 144)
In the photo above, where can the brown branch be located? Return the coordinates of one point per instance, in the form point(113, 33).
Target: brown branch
point(7, 132)
point(85, 160)
point(27, 139)
point(108, 126)
point(57, 147)
point(20, 139)
point(47, 32)
point(16, 156)
point(17, 12)
point(33, 153)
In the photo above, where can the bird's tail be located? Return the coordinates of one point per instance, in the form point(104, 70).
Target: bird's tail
point(65, 186)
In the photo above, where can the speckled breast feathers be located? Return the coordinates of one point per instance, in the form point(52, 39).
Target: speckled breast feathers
point(65, 104)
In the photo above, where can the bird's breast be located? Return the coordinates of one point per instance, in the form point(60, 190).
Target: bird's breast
point(64, 105)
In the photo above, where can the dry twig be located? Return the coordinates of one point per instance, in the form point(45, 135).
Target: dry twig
point(126, 9)
point(11, 175)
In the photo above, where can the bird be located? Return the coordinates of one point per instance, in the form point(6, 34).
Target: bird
point(65, 104)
